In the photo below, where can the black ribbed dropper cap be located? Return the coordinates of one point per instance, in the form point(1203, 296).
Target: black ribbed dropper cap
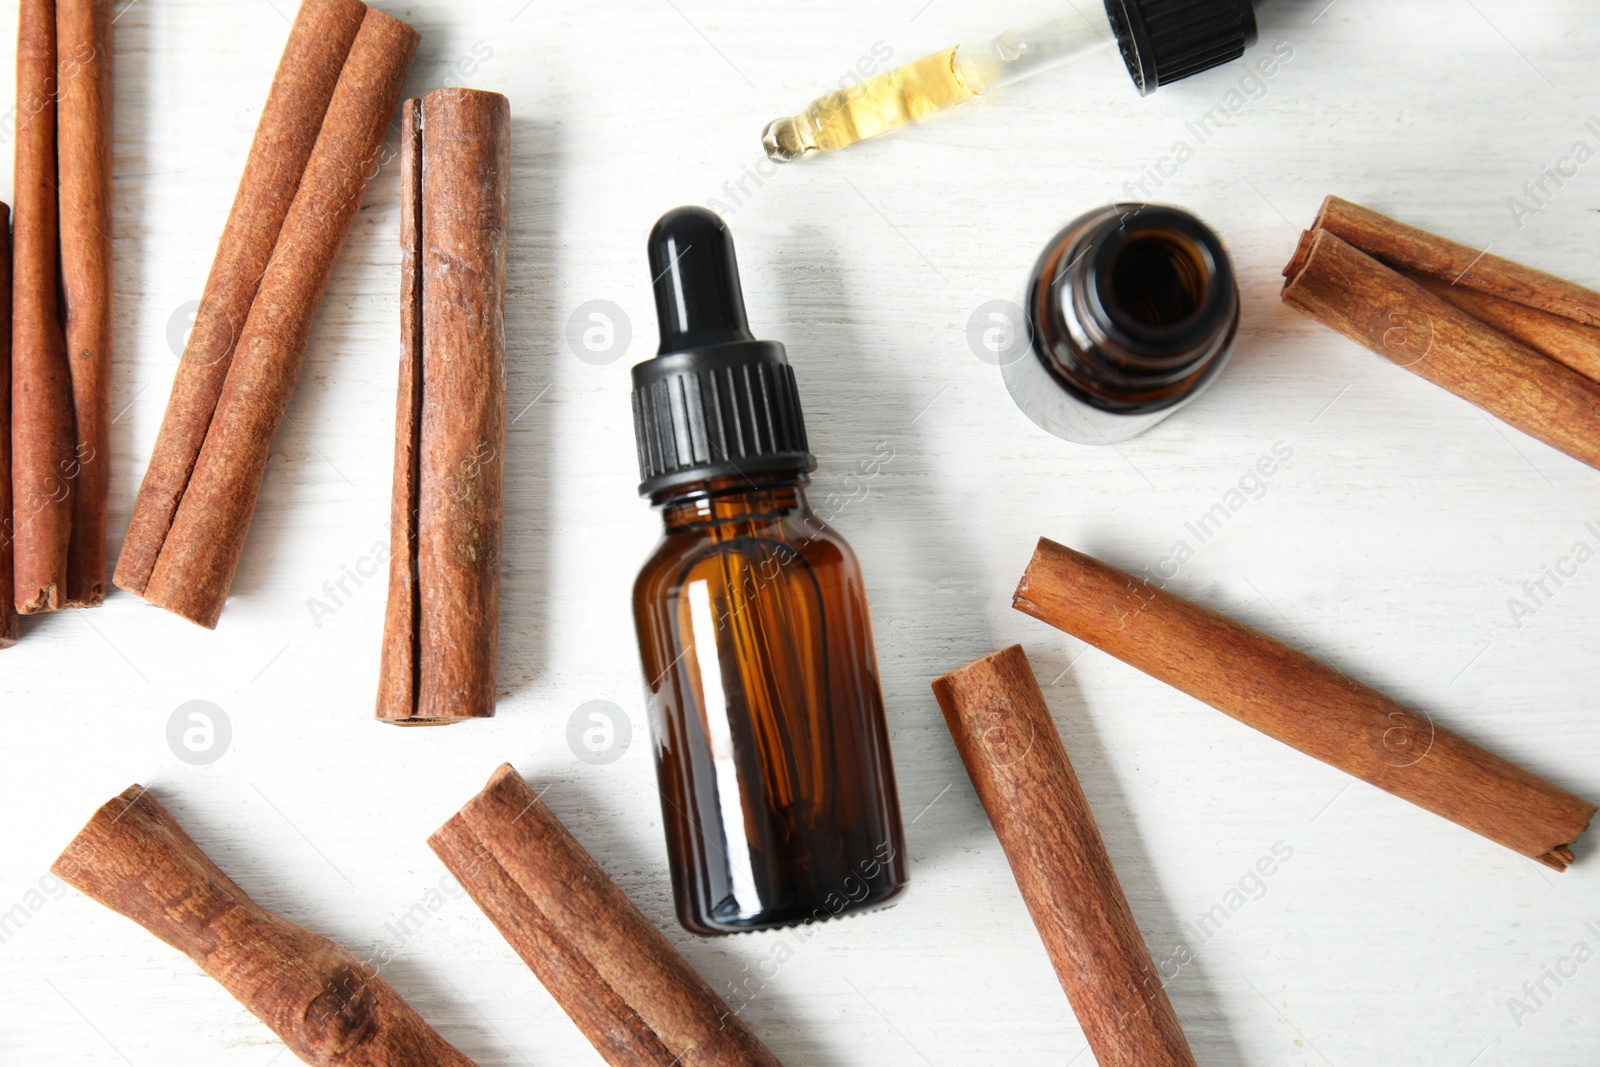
point(714, 401)
point(1165, 40)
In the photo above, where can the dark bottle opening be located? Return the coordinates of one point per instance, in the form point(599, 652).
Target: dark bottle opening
point(1131, 312)
point(1158, 279)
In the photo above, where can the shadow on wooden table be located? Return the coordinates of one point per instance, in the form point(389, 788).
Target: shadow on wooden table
point(874, 432)
point(534, 336)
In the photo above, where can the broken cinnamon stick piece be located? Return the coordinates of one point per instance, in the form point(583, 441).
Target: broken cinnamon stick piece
point(201, 550)
point(42, 432)
point(1302, 702)
point(83, 42)
point(134, 858)
point(8, 602)
point(1567, 341)
point(632, 994)
point(442, 623)
point(1393, 316)
point(1408, 248)
point(1019, 767)
point(319, 42)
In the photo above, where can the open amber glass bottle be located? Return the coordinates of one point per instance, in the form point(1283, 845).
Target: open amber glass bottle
point(772, 752)
point(1131, 312)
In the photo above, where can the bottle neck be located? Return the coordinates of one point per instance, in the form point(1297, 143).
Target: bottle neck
point(1132, 307)
point(730, 499)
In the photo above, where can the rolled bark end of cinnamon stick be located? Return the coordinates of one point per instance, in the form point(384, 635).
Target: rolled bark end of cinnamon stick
point(1302, 702)
point(8, 602)
point(1342, 287)
point(329, 1007)
point(313, 58)
point(1408, 248)
point(84, 161)
point(441, 628)
point(1302, 249)
point(42, 432)
point(200, 552)
point(632, 994)
point(1019, 767)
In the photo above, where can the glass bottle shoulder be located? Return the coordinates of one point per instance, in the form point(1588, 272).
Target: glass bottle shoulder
point(777, 539)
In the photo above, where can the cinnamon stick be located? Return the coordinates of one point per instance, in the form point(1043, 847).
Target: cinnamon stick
point(1019, 767)
point(8, 603)
point(314, 57)
point(1568, 342)
point(200, 553)
point(42, 431)
point(632, 994)
point(442, 623)
point(1393, 316)
point(83, 41)
point(134, 858)
point(1408, 248)
point(1302, 702)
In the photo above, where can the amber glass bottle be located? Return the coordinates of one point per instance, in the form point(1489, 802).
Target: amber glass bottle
point(772, 753)
point(1131, 313)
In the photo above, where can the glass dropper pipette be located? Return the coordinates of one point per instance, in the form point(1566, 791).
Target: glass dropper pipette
point(1160, 42)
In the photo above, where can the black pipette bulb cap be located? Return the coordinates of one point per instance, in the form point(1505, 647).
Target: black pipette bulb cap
point(1164, 40)
point(714, 402)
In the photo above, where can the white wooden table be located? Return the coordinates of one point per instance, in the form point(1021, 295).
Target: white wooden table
point(1390, 544)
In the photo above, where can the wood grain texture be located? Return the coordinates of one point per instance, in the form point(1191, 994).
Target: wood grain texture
point(1019, 767)
point(631, 993)
point(84, 63)
point(319, 42)
point(1302, 702)
point(134, 858)
point(201, 551)
point(451, 464)
point(1344, 288)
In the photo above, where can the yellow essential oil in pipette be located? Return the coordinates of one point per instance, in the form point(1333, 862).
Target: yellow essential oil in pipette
point(1159, 41)
point(891, 99)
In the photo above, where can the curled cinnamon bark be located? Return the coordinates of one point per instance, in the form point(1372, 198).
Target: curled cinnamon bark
point(61, 332)
point(397, 671)
point(200, 551)
point(442, 625)
point(43, 467)
point(632, 994)
point(1019, 767)
point(319, 43)
point(134, 858)
point(1344, 288)
point(1567, 341)
point(83, 35)
point(1408, 248)
point(1302, 702)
